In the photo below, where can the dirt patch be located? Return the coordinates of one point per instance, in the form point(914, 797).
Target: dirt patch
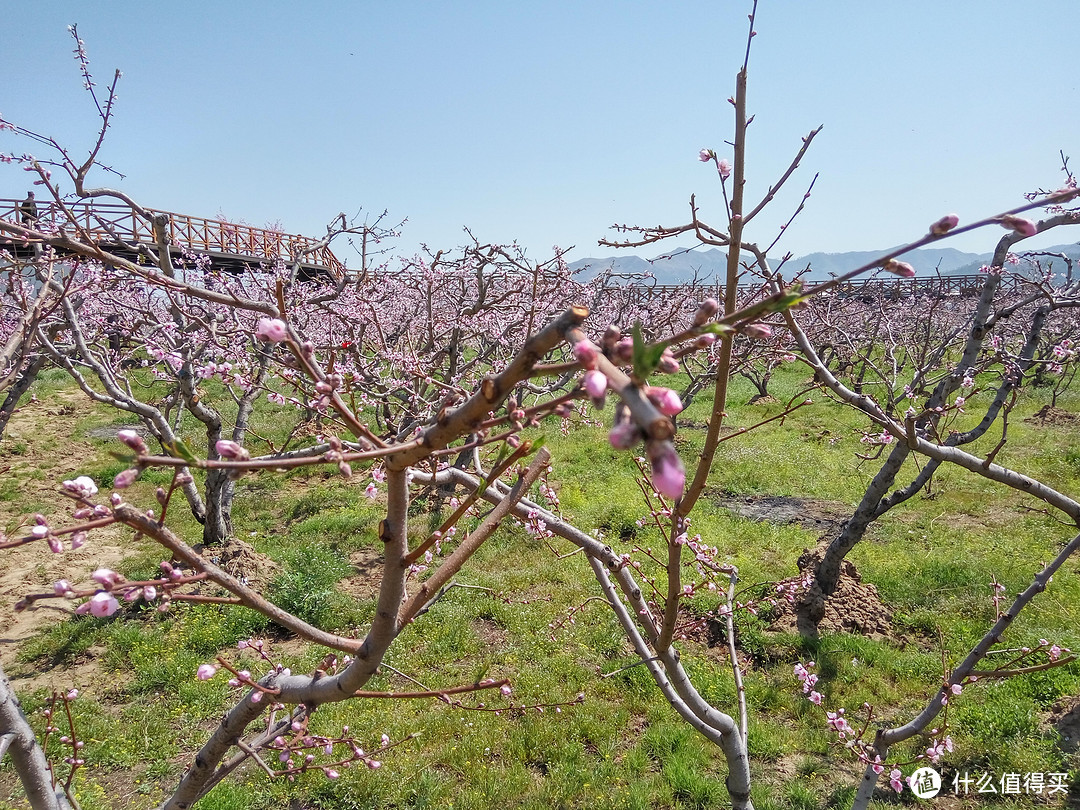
point(365, 582)
point(854, 607)
point(1065, 720)
point(762, 399)
point(1055, 417)
point(809, 513)
point(43, 448)
point(239, 559)
point(492, 634)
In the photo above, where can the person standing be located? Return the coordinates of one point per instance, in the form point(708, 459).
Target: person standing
point(28, 210)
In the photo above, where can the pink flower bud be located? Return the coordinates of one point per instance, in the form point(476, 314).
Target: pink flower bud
point(704, 341)
point(231, 450)
point(708, 308)
point(899, 268)
point(666, 400)
point(944, 225)
point(595, 383)
point(126, 478)
point(272, 329)
point(106, 577)
point(1024, 227)
point(624, 436)
point(132, 440)
point(55, 546)
point(586, 353)
point(668, 364)
point(61, 587)
point(668, 473)
point(103, 604)
point(206, 672)
point(758, 331)
point(705, 155)
point(78, 540)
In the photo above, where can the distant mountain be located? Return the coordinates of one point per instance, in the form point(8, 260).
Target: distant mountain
point(683, 266)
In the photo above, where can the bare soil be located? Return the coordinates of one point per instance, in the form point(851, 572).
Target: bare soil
point(1053, 417)
point(855, 607)
point(40, 448)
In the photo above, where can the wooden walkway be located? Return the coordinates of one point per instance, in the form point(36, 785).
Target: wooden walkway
point(231, 247)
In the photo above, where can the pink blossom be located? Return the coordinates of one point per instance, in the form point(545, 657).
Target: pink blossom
point(61, 587)
point(724, 168)
point(83, 486)
point(371, 490)
point(103, 604)
point(595, 383)
point(815, 698)
point(272, 329)
point(78, 540)
point(505, 690)
point(705, 155)
point(331, 773)
point(895, 780)
point(206, 672)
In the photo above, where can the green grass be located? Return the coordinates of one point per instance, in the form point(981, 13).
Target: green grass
point(932, 561)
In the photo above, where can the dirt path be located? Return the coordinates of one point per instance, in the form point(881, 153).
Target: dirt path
point(41, 447)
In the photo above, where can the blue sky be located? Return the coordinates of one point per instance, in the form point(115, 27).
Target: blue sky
point(547, 122)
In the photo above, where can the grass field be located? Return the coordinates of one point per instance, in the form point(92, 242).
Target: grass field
point(142, 712)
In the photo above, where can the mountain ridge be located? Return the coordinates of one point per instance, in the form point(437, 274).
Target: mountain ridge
point(682, 266)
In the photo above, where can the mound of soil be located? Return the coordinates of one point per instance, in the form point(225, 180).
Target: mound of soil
point(1048, 415)
point(239, 559)
point(854, 607)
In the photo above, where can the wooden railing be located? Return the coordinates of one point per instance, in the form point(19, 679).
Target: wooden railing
point(113, 224)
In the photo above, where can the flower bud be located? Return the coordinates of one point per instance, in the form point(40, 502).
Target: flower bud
point(666, 400)
point(228, 449)
point(709, 307)
point(758, 331)
point(126, 478)
point(899, 268)
point(132, 440)
point(1024, 227)
point(668, 473)
point(586, 353)
point(595, 383)
point(944, 225)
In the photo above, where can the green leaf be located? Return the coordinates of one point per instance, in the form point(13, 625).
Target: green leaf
point(789, 298)
point(124, 458)
point(645, 357)
point(178, 449)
